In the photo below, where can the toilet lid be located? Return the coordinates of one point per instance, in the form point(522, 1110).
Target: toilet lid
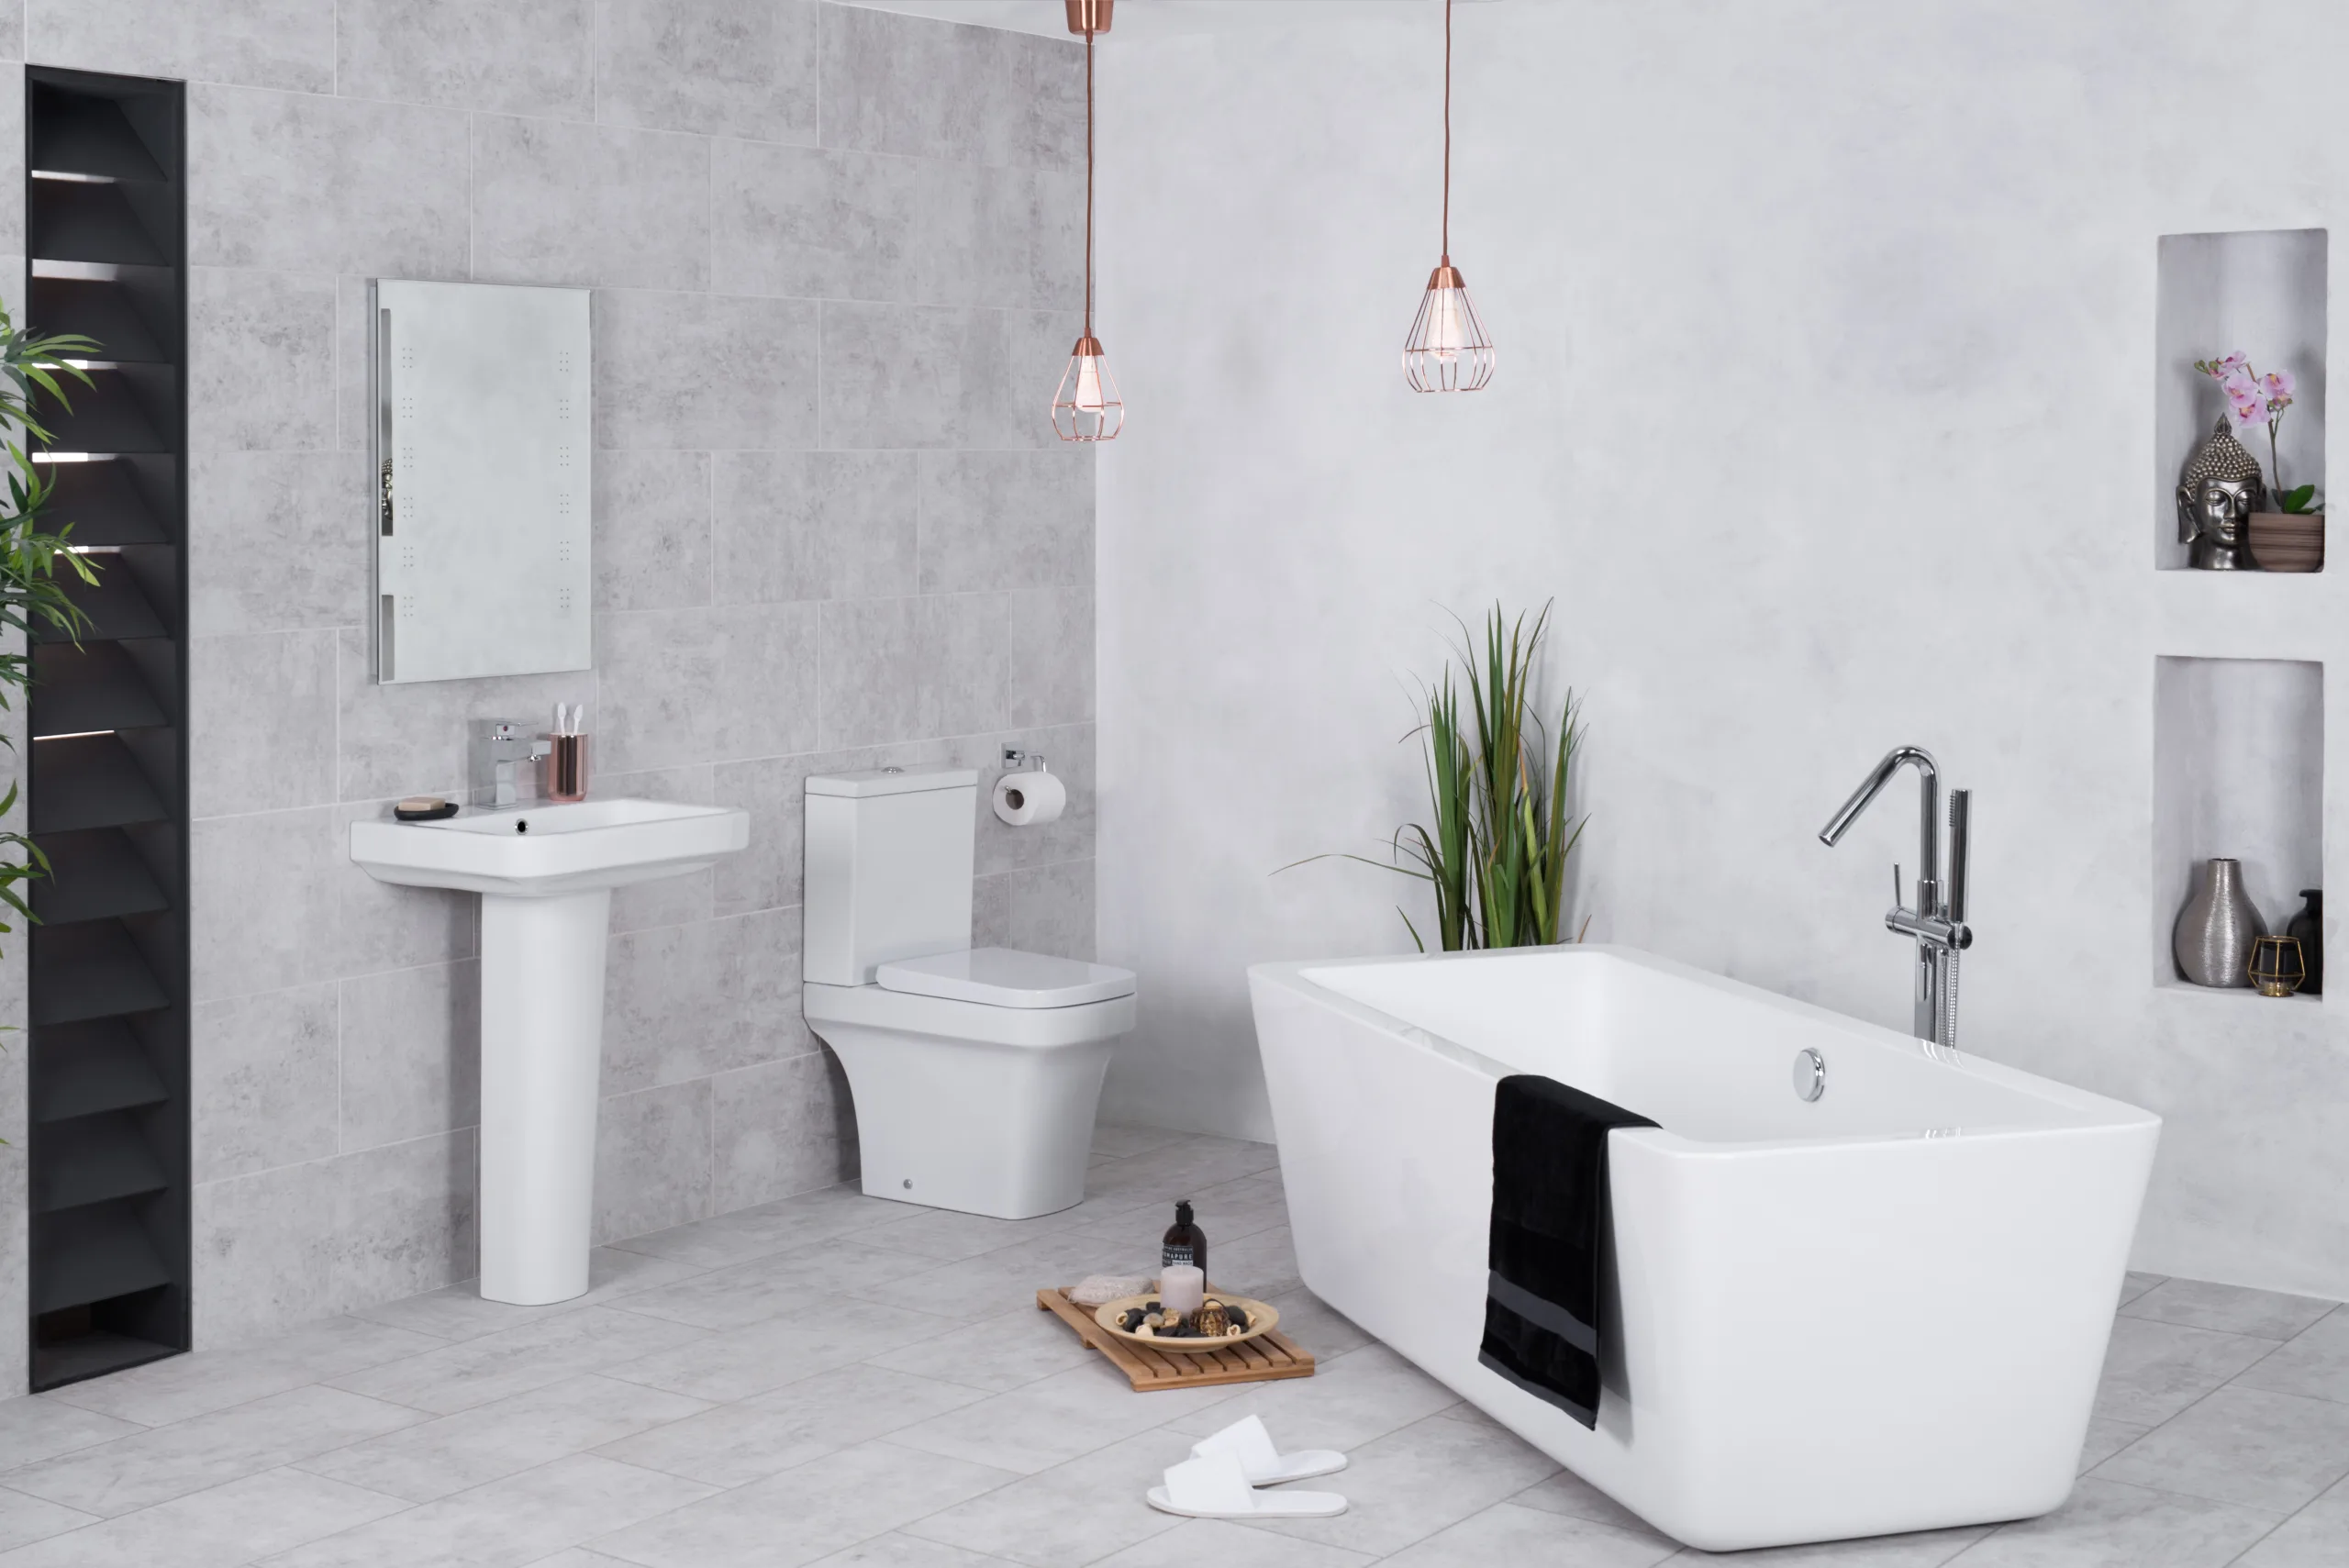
point(1004, 977)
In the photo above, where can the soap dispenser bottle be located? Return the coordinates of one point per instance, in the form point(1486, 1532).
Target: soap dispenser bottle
point(1185, 1243)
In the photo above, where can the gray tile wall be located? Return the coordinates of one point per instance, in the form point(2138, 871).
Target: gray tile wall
point(837, 261)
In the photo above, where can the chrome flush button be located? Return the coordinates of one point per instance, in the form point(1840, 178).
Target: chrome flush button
point(1810, 1075)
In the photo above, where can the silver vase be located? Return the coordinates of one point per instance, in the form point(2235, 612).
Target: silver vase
point(2211, 941)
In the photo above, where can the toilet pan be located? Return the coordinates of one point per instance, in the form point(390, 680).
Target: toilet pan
point(976, 1074)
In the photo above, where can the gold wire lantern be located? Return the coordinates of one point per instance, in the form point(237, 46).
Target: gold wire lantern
point(1447, 348)
point(2278, 966)
point(1088, 408)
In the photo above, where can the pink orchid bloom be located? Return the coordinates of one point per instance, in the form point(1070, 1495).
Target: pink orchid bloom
point(2276, 387)
point(2220, 370)
point(2241, 389)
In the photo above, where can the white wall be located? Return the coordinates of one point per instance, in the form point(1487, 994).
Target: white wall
point(1825, 408)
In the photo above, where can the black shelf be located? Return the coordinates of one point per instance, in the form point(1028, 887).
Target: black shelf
point(91, 1068)
point(91, 970)
point(97, 875)
point(93, 1354)
point(88, 133)
point(95, 1159)
point(90, 781)
point(96, 686)
point(70, 220)
point(112, 502)
point(117, 610)
point(107, 792)
point(91, 1255)
point(105, 311)
point(123, 410)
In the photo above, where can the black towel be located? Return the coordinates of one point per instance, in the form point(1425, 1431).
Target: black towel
point(1542, 1329)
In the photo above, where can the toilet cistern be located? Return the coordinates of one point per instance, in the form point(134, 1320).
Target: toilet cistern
point(1938, 919)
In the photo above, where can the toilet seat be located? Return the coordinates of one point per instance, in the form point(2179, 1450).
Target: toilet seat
point(1005, 977)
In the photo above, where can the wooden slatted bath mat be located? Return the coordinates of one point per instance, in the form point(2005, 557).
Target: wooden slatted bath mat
point(1264, 1359)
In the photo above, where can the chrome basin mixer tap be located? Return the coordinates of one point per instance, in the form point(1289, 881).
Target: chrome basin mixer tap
point(1937, 922)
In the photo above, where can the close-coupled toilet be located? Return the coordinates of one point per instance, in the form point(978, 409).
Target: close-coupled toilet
point(976, 1072)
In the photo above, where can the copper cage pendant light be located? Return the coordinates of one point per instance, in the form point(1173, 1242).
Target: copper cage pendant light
point(1447, 348)
point(1087, 407)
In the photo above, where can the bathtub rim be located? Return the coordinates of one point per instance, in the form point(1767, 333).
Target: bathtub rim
point(2084, 1111)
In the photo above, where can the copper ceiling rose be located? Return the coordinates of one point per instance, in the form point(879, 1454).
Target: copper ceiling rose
point(1087, 407)
point(1447, 348)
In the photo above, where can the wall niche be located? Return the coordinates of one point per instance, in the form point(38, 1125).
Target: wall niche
point(2262, 291)
point(2239, 773)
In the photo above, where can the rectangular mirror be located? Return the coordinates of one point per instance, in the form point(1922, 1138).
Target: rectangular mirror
point(481, 444)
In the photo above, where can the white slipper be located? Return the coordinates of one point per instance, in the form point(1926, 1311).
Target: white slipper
point(1214, 1487)
point(1248, 1441)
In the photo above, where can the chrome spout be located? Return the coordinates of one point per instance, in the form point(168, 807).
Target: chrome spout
point(1937, 922)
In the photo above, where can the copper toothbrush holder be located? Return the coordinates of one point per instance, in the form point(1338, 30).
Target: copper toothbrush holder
point(567, 768)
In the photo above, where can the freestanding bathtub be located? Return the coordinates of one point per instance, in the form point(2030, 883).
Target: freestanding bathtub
point(1882, 1310)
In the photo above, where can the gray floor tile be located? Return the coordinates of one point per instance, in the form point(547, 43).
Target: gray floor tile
point(1262, 1265)
point(1122, 1140)
point(514, 1361)
point(1180, 1169)
point(995, 1353)
point(2108, 1525)
point(1508, 1533)
point(832, 1503)
point(217, 1528)
point(461, 1312)
point(25, 1520)
point(157, 1466)
point(743, 1294)
point(521, 1519)
point(1071, 1514)
point(36, 1426)
point(735, 1444)
point(905, 1551)
point(1056, 1419)
point(1010, 1276)
point(2134, 1285)
point(1924, 1548)
point(2243, 1445)
point(503, 1438)
point(2315, 1537)
point(943, 1236)
point(2106, 1437)
point(1199, 1543)
point(1427, 1477)
point(767, 1229)
point(817, 1334)
point(1315, 1325)
point(2152, 1371)
point(2316, 1362)
point(2231, 1309)
point(179, 1386)
point(1349, 1401)
point(1566, 1493)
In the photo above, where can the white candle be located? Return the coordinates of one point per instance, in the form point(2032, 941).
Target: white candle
point(1180, 1288)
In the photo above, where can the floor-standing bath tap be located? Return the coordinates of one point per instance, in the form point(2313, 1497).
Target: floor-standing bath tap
point(1937, 922)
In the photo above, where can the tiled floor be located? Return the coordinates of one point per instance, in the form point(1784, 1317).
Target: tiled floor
point(839, 1381)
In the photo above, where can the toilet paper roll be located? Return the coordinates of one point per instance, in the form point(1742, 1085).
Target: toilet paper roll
point(1025, 799)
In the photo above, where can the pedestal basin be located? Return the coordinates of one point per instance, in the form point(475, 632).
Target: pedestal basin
point(545, 875)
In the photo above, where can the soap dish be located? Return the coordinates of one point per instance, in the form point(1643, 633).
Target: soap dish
point(425, 809)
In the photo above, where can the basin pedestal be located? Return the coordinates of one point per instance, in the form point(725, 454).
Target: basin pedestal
point(545, 875)
point(541, 1061)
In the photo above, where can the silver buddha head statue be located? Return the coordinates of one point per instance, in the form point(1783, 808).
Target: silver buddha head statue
point(2216, 496)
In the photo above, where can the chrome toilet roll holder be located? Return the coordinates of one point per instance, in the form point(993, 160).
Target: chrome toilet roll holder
point(1017, 760)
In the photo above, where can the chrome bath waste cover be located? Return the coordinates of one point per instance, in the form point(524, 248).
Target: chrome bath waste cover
point(1810, 1075)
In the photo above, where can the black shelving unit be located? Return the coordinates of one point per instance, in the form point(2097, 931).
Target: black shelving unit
point(105, 206)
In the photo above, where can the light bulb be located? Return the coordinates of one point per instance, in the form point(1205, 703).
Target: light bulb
point(1447, 350)
point(1088, 408)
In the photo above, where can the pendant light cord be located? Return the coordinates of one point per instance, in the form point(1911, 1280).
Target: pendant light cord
point(1447, 137)
point(1088, 170)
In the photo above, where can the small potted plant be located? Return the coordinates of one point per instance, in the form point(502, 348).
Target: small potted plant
point(2291, 538)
